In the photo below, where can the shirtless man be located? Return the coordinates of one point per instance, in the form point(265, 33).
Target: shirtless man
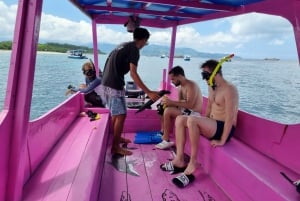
point(218, 125)
point(189, 97)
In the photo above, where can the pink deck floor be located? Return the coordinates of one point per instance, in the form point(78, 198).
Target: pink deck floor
point(146, 181)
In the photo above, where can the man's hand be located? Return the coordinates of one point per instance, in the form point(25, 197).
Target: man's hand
point(215, 143)
point(166, 101)
point(153, 95)
point(82, 86)
point(69, 91)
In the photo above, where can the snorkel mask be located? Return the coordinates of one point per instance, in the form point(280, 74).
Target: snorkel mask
point(205, 75)
point(210, 76)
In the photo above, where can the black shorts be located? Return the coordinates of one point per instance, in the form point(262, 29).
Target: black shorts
point(218, 134)
point(94, 99)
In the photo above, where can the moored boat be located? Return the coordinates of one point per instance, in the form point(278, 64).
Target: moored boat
point(76, 54)
point(187, 58)
point(63, 154)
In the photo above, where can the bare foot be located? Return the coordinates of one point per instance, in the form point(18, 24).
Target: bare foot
point(125, 140)
point(191, 168)
point(178, 163)
point(83, 114)
point(121, 151)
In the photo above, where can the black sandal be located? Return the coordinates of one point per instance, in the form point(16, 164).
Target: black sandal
point(183, 180)
point(169, 167)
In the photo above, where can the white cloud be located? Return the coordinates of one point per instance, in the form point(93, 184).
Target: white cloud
point(7, 20)
point(160, 37)
point(255, 25)
point(108, 35)
point(276, 42)
point(63, 30)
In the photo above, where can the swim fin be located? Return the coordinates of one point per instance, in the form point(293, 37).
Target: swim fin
point(153, 137)
point(150, 102)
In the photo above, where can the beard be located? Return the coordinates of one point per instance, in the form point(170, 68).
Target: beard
point(177, 83)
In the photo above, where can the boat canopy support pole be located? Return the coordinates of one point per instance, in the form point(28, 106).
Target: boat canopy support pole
point(296, 26)
point(172, 54)
point(293, 16)
point(95, 46)
point(297, 36)
point(19, 91)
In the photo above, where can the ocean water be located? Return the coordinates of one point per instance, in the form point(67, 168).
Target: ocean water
point(268, 89)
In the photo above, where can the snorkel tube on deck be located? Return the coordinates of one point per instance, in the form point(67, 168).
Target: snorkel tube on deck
point(213, 74)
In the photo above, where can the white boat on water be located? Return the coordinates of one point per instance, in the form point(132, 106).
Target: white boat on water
point(76, 54)
point(187, 58)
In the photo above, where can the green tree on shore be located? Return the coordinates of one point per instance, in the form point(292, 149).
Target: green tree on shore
point(51, 47)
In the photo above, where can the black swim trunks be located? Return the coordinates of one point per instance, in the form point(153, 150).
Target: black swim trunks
point(218, 134)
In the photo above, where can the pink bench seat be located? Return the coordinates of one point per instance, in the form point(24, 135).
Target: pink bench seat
point(249, 166)
point(246, 174)
point(71, 171)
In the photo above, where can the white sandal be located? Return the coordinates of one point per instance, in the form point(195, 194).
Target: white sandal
point(165, 145)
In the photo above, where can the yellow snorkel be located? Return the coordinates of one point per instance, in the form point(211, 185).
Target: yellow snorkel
point(213, 74)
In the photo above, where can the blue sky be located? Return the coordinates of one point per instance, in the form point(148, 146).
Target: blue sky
point(249, 36)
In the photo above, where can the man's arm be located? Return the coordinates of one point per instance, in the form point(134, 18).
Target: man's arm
point(189, 102)
point(90, 87)
point(209, 103)
point(136, 78)
point(231, 109)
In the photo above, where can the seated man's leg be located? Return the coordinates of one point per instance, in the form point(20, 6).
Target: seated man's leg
point(169, 115)
point(180, 135)
point(198, 125)
point(94, 99)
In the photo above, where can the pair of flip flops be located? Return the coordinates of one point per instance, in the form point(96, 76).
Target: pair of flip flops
point(153, 137)
point(181, 180)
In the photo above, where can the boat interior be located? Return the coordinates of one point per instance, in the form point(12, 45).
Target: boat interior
point(65, 154)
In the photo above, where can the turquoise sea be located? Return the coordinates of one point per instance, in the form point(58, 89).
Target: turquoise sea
point(269, 89)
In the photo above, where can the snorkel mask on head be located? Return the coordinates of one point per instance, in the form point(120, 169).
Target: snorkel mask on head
point(210, 76)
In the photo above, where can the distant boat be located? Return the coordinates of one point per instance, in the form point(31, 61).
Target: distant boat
point(187, 58)
point(271, 59)
point(77, 54)
point(163, 56)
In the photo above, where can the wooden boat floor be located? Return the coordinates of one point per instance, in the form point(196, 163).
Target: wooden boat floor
point(139, 177)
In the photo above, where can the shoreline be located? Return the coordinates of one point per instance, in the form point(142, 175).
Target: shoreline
point(39, 52)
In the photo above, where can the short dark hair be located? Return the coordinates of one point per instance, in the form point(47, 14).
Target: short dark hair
point(177, 70)
point(141, 33)
point(212, 64)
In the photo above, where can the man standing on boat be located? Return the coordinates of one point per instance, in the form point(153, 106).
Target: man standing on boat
point(123, 59)
point(189, 103)
point(218, 125)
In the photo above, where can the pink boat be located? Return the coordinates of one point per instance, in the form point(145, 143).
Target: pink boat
point(63, 155)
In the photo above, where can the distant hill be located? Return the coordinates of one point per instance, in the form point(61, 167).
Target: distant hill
point(105, 48)
point(158, 50)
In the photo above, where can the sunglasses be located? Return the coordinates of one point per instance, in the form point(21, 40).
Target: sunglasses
point(89, 72)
